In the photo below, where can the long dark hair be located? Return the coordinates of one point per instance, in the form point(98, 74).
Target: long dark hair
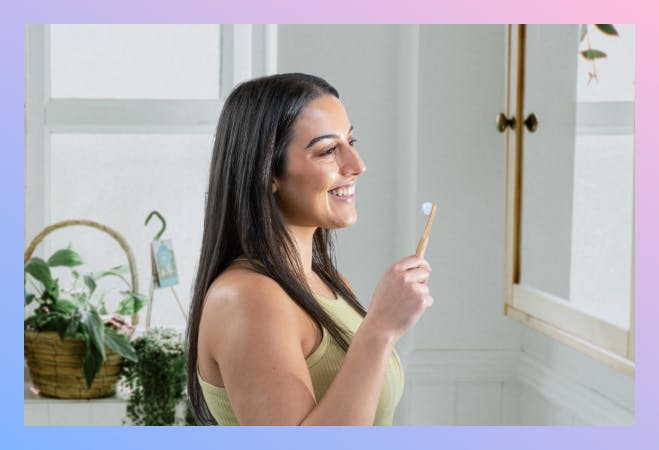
point(242, 216)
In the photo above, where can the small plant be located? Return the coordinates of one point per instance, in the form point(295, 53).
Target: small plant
point(590, 53)
point(156, 380)
point(79, 312)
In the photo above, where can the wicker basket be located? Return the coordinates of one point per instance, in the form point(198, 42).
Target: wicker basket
point(56, 365)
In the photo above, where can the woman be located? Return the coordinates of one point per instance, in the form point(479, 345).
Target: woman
point(275, 334)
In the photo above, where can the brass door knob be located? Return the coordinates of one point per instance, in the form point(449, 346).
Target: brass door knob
point(531, 123)
point(503, 122)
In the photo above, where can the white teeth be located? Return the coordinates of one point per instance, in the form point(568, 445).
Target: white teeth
point(343, 191)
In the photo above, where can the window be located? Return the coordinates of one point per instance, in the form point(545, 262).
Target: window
point(120, 121)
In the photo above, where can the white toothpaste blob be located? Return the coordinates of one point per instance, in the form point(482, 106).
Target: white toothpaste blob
point(426, 207)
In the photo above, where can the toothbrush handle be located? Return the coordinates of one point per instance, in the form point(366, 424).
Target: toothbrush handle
point(423, 242)
point(421, 248)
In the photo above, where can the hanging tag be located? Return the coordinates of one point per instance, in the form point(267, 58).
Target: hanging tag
point(163, 264)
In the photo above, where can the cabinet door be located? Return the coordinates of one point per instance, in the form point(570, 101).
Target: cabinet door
point(569, 250)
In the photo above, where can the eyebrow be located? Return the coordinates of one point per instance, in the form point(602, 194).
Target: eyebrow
point(325, 136)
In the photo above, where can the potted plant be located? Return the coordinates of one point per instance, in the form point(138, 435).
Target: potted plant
point(73, 346)
point(155, 381)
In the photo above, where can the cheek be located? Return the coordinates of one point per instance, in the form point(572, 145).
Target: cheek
point(313, 182)
point(299, 190)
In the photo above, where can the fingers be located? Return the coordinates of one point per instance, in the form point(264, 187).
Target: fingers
point(411, 262)
point(415, 272)
point(417, 275)
point(422, 296)
point(417, 278)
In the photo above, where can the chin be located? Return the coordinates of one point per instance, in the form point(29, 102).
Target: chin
point(345, 223)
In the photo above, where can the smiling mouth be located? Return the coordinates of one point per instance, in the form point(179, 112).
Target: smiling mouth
point(346, 193)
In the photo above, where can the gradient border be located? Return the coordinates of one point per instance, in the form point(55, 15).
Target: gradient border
point(642, 13)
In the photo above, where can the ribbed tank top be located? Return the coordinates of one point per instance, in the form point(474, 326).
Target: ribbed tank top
point(323, 365)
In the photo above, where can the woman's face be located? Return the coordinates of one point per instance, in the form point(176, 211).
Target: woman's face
point(322, 166)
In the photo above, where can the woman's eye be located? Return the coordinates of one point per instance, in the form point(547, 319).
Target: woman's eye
point(332, 150)
point(329, 151)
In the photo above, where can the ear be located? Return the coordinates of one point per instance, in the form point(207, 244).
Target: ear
point(275, 186)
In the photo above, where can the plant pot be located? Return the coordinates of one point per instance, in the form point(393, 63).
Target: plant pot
point(56, 367)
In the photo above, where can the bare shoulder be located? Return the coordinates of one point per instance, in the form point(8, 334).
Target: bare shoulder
point(240, 294)
point(251, 329)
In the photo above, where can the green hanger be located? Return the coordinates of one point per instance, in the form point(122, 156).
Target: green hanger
point(162, 220)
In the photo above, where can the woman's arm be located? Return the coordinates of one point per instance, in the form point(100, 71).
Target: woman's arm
point(399, 299)
point(252, 329)
point(255, 334)
point(353, 396)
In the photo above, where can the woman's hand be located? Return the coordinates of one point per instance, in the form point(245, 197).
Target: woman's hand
point(401, 297)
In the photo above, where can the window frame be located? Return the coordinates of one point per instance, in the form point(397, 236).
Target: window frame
point(246, 51)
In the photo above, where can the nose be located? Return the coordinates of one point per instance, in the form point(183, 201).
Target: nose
point(351, 163)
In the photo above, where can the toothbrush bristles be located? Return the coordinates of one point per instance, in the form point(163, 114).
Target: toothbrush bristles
point(426, 207)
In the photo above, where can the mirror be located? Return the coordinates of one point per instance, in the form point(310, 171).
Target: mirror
point(576, 230)
point(570, 187)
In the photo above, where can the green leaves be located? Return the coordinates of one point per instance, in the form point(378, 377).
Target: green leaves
point(95, 330)
point(64, 306)
point(52, 291)
point(156, 379)
point(90, 283)
point(92, 331)
point(45, 321)
point(39, 271)
point(608, 29)
point(92, 363)
point(72, 326)
point(38, 268)
point(131, 303)
point(593, 54)
point(119, 343)
point(65, 257)
point(118, 271)
point(27, 296)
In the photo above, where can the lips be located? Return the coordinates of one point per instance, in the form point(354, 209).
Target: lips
point(343, 191)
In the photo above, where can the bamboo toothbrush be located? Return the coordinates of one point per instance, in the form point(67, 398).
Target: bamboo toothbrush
point(428, 209)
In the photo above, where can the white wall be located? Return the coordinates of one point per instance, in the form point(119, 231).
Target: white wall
point(462, 166)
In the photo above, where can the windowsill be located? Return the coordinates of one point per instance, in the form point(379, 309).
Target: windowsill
point(45, 411)
point(32, 398)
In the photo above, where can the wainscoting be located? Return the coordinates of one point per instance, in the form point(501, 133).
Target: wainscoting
point(441, 388)
point(499, 388)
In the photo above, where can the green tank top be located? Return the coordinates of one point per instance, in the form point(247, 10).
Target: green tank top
point(323, 365)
